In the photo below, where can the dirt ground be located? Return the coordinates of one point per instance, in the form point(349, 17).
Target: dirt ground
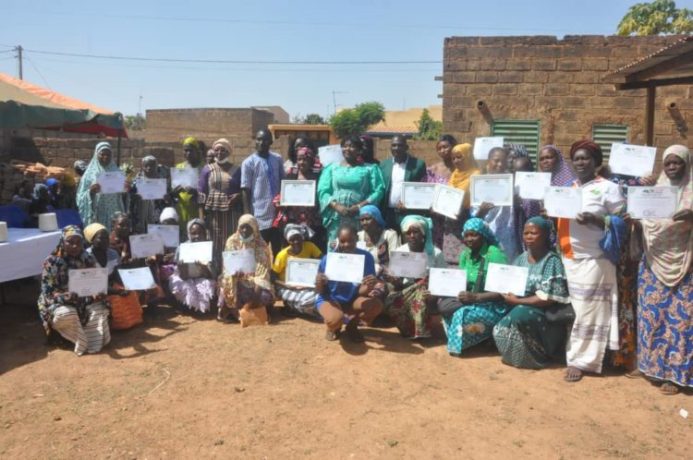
point(185, 387)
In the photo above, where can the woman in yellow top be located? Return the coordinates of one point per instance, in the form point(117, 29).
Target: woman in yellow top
point(297, 298)
point(186, 197)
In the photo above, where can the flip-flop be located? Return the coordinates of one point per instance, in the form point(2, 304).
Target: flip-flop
point(574, 378)
point(634, 374)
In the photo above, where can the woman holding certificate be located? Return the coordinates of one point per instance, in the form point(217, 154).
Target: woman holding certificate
point(145, 211)
point(409, 303)
point(185, 196)
point(94, 206)
point(551, 161)
point(345, 187)
point(247, 290)
point(469, 318)
point(526, 337)
point(81, 320)
point(375, 238)
point(589, 252)
point(665, 283)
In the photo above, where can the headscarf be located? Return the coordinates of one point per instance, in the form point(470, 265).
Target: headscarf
point(594, 149)
point(169, 213)
point(91, 230)
point(104, 205)
point(461, 179)
point(374, 212)
point(298, 229)
point(425, 224)
point(307, 151)
point(68, 232)
point(51, 182)
point(149, 159)
point(478, 225)
point(227, 145)
point(38, 188)
point(668, 244)
point(80, 164)
point(196, 221)
point(546, 226)
point(562, 174)
point(517, 151)
point(191, 141)
point(263, 256)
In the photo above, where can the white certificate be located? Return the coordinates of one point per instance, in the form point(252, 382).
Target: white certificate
point(652, 202)
point(302, 272)
point(632, 160)
point(169, 234)
point(145, 245)
point(447, 282)
point(201, 252)
point(447, 201)
point(563, 202)
point(297, 193)
point(151, 189)
point(87, 282)
point(239, 261)
point(496, 189)
point(532, 185)
point(506, 279)
point(137, 279)
point(407, 264)
point(418, 195)
point(185, 177)
point(348, 268)
point(111, 182)
point(483, 145)
point(329, 154)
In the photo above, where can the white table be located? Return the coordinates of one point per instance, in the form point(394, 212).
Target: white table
point(22, 255)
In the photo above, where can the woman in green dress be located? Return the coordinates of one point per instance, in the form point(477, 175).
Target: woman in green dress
point(345, 187)
point(533, 334)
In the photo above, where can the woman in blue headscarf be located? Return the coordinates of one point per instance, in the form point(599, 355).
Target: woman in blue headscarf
point(469, 318)
point(92, 205)
point(409, 303)
point(533, 334)
point(375, 237)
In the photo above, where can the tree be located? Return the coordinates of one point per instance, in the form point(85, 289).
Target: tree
point(352, 122)
point(310, 119)
point(135, 122)
point(657, 17)
point(429, 129)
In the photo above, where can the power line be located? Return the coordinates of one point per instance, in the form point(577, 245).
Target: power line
point(37, 71)
point(225, 61)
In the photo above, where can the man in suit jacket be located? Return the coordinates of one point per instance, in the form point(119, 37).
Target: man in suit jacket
point(400, 167)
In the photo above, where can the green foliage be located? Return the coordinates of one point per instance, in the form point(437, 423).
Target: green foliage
point(657, 17)
point(429, 129)
point(313, 119)
point(135, 122)
point(352, 122)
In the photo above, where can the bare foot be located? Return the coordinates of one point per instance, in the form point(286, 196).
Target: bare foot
point(331, 336)
point(669, 389)
point(573, 374)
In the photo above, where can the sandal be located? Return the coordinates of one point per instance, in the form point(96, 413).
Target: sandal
point(634, 374)
point(669, 389)
point(573, 374)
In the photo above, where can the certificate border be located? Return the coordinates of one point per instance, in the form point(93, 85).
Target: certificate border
point(178, 170)
point(149, 226)
point(428, 286)
point(190, 242)
point(436, 196)
point(630, 173)
point(516, 183)
point(558, 187)
point(223, 265)
point(405, 185)
point(630, 197)
point(124, 176)
point(103, 270)
point(159, 180)
point(511, 194)
point(485, 156)
point(301, 260)
point(409, 252)
point(524, 288)
point(290, 182)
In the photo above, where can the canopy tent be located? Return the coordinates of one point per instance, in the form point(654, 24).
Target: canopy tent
point(24, 105)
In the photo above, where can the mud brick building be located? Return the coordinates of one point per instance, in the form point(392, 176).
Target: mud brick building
point(543, 90)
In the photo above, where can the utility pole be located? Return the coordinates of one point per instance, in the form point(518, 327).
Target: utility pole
point(19, 50)
point(334, 99)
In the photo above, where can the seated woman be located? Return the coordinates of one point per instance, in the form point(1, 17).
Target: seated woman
point(194, 284)
point(375, 238)
point(81, 320)
point(339, 302)
point(126, 310)
point(409, 303)
point(469, 318)
point(246, 290)
point(167, 263)
point(526, 337)
point(296, 298)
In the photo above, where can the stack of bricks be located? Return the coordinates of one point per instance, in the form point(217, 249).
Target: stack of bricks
point(559, 82)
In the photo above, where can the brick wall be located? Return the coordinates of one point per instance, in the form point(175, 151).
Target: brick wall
point(425, 150)
point(558, 82)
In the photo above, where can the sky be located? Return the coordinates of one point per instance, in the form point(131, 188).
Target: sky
point(405, 39)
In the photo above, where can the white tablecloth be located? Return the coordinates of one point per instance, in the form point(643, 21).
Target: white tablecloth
point(24, 252)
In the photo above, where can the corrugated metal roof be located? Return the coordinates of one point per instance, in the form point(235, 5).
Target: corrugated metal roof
point(679, 47)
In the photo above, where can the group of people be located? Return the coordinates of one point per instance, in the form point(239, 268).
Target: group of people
point(602, 288)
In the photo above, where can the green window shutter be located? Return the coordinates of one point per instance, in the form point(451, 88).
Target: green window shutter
point(525, 132)
point(605, 135)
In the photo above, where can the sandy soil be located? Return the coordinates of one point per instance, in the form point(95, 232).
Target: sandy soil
point(184, 387)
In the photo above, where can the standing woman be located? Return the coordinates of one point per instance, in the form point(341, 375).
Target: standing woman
point(464, 167)
point(219, 195)
point(439, 173)
point(92, 205)
point(551, 161)
point(144, 212)
point(346, 187)
point(186, 200)
point(665, 283)
point(81, 320)
point(587, 258)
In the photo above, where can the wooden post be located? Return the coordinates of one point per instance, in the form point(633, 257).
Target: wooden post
point(118, 151)
point(650, 115)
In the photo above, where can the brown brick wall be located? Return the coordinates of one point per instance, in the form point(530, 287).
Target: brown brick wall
point(556, 81)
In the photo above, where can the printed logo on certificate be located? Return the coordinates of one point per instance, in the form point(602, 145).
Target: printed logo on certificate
point(632, 160)
point(447, 201)
point(652, 202)
point(406, 264)
point(532, 185)
point(145, 245)
point(506, 279)
point(239, 261)
point(446, 282)
point(565, 202)
point(496, 189)
point(344, 267)
point(301, 272)
point(298, 193)
point(418, 195)
point(483, 145)
point(200, 252)
point(87, 282)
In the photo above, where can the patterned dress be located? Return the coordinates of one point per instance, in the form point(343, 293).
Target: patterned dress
point(446, 231)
